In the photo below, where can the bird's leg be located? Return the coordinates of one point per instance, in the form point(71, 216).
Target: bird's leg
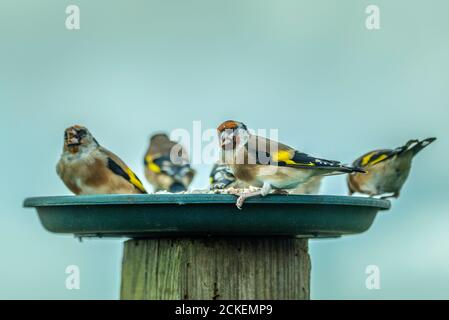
point(241, 199)
point(262, 192)
point(266, 188)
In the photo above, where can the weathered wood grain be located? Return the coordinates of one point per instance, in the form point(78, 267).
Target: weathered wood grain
point(216, 268)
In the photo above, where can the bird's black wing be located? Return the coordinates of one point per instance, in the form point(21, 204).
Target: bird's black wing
point(376, 156)
point(126, 173)
point(163, 164)
point(267, 151)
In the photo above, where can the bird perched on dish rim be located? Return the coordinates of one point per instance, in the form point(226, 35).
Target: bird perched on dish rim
point(167, 165)
point(221, 177)
point(85, 167)
point(268, 164)
point(386, 169)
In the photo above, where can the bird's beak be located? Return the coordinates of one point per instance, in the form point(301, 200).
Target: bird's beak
point(226, 142)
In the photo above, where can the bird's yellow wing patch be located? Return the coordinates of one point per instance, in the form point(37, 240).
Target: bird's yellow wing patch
point(373, 157)
point(283, 156)
point(367, 158)
point(151, 165)
point(126, 173)
point(286, 157)
point(134, 180)
point(381, 157)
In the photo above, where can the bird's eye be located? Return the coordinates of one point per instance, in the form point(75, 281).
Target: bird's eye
point(65, 135)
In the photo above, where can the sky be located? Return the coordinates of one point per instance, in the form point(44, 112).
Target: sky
point(311, 70)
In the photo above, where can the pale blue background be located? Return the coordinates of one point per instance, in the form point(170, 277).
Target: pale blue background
point(309, 68)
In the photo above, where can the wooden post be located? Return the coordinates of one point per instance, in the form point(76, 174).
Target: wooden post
point(216, 268)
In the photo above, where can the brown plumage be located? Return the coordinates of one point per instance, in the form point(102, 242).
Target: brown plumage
point(87, 168)
point(310, 187)
point(167, 165)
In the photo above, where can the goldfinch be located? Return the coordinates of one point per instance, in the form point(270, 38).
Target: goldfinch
point(387, 170)
point(167, 165)
point(85, 167)
point(268, 164)
point(221, 177)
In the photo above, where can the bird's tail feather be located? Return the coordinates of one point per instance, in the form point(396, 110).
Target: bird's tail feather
point(350, 169)
point(342, 169)
point(416, 146)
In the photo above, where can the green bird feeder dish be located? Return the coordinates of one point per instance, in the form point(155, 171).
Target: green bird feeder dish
point(168, 215)
point(201, 246)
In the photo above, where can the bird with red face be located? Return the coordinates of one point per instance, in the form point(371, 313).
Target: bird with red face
point(268, 164)
point(85, 167)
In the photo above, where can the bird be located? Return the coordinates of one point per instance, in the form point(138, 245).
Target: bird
point(86, 167)
point(387, 170)
point(167, 165)
point(268, 164)
point(222, 177)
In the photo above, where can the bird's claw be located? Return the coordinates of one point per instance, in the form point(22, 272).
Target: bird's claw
point(240, 201)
